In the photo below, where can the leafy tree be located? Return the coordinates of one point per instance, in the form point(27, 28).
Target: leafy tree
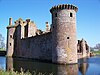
point(97, 46)
point(2, 44)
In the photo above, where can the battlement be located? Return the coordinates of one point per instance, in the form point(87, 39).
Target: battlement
point(64, 6)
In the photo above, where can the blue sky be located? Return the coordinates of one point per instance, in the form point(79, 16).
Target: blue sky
point(88, 15)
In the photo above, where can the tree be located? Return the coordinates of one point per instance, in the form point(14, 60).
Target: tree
point(2, 44)
point(97, 46)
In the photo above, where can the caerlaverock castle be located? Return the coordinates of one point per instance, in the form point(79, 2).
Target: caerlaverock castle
point(58, 43)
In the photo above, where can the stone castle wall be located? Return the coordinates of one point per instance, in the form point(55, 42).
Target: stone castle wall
point(83, 49)
point(38, 47)
point(58, 44)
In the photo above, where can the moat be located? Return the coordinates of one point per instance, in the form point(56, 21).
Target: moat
point(89, 66)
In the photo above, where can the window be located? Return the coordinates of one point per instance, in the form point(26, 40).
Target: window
point(55, 14)
point(67, 37)
point(71, 15)
point(26, 31)
point(10, 36)
point(10, 44)
point(53, 26)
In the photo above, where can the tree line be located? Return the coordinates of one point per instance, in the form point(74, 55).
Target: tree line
point(2, 44)
point(96, 47)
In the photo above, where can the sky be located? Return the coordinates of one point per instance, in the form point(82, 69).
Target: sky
point(88, 15)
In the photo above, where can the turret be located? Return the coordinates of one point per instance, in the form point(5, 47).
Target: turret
point(64, 49)
point(10, 38)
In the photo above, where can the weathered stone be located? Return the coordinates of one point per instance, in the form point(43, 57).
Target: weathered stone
point(83, 49)
point(58, 44)
point(64, 36)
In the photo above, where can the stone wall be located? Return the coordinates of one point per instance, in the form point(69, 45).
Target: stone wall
point(37, 47)
point(83, 49)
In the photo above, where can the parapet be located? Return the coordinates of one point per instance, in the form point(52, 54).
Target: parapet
point(64, 6)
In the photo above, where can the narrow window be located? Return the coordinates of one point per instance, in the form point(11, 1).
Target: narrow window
point(71, 15)
point(53, 26)
point(67, 37)
point(10, 36)
point(10, 44)
point(26, 31)
point(55, 14)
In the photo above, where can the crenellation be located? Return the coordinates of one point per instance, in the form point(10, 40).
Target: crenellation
point(64, 6)
point(68, 7)
point(27, 20)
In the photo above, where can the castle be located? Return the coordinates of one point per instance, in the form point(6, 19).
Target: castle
point(57, 44)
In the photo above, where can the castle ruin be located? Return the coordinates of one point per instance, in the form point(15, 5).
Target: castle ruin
point(57, 44)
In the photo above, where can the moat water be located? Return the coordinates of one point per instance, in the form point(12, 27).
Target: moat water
point(89, 66)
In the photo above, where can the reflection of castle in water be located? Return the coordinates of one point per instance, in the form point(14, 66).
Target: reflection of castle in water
point(47, 68)
point(83, 66)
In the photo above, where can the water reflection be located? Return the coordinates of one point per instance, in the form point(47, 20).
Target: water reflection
point(9, 63)
point(2, 63)
point(46, 68)
point(87, 66)
point(83, 68)
point(67, 70)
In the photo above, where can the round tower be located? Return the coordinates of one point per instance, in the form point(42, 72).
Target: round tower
point(10, 38)
point(64, 49)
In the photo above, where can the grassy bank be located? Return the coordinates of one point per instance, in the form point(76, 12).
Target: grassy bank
point(96, 52)
point(2, 49)
point(21, 73)
point(13, 73)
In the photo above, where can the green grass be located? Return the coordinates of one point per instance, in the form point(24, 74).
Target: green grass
point(14, 73)
point(2, 49)
point(96, 52)
point(21, 73)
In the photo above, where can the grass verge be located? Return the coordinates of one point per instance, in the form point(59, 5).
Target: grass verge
point(96, 52)
point(2, 72)
point(2, 49)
